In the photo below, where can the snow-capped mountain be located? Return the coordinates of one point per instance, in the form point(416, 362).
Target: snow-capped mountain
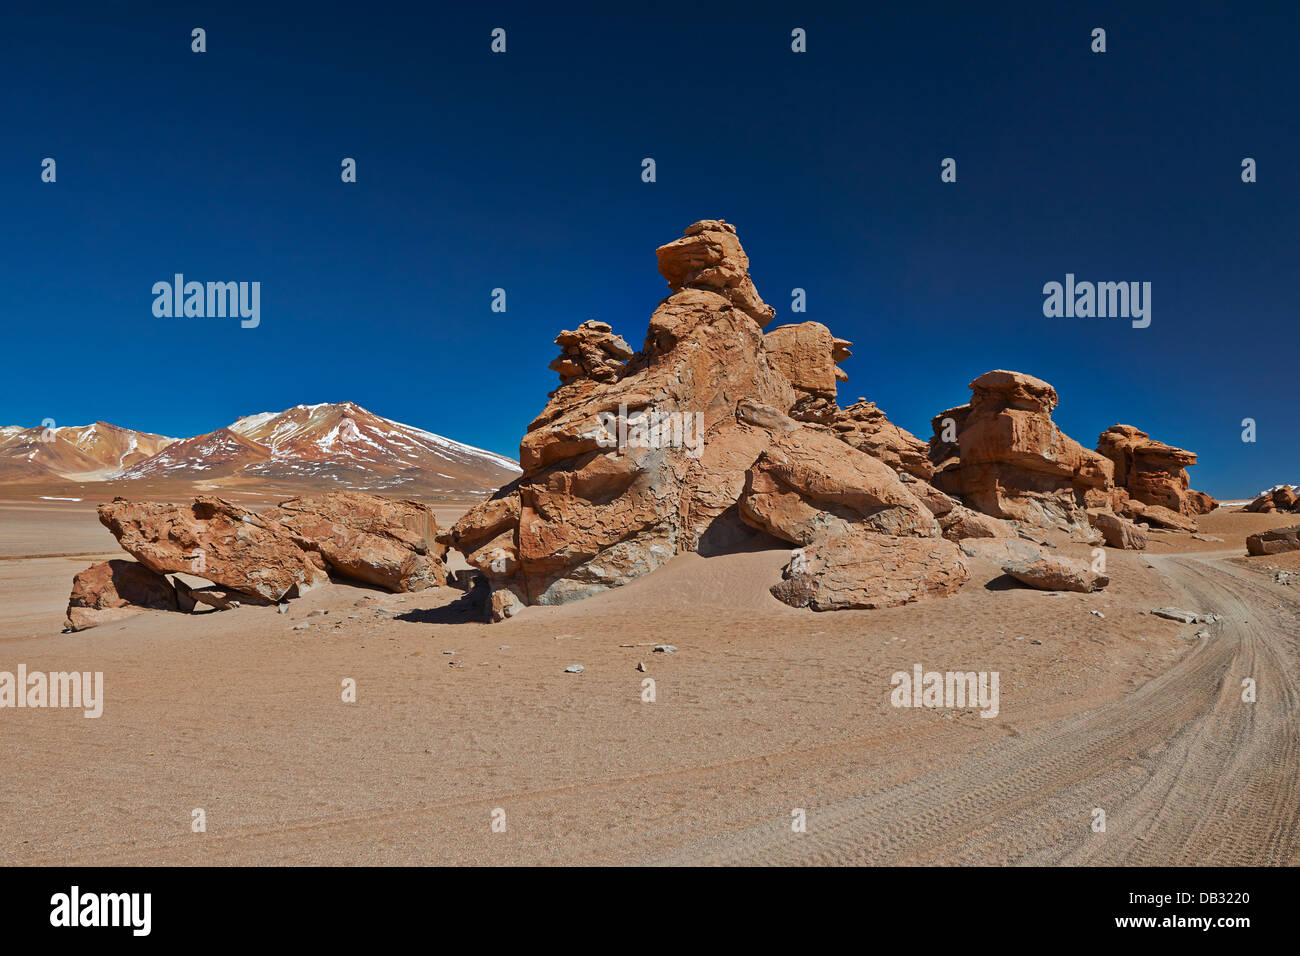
point(328, 445)
point(83, 452)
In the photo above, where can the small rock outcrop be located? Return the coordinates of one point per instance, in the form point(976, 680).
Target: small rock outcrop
point(260, 558)
point(1274, 541)
point(1003, 455)
point(1279, 498)
point(1152, 472)
point(865, 427)
point(592, 351)
point(1155, 516)
point(116, 589)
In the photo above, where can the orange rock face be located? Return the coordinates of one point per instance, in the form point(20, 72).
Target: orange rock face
point(871, 571)
point(1003, 455)
point(806, 485)
point(391, 544)
point(733, 443)
point(1274, 541)
point(1281, 498)
point(865, 427)
point(115, 589)
point(1152, 472)
point(216, 540)
point(592, 351)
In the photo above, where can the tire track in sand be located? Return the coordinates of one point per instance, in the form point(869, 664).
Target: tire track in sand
point(1186, 771)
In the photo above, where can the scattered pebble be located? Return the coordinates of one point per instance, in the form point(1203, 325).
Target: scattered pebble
point(665, 649)
point(640, 665)
point(1098, 614)
point(301, 626)
point(283, 608)
point(574, 669)
point(317, 613)
point(451, 652)
point(504, 647)
point(1035, 642)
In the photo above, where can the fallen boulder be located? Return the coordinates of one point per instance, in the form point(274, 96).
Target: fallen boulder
point(391, 544)
point(116, 589)
point(1056, 574)
point(216, 540)
point(871, 571)
point(1118, 532)
point(1274, 541)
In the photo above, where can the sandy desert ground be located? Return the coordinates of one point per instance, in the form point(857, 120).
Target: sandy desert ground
point(762, 709)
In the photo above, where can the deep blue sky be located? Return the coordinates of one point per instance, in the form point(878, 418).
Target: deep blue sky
point(522, 171)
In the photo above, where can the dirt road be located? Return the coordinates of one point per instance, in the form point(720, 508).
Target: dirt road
point(1186, 772)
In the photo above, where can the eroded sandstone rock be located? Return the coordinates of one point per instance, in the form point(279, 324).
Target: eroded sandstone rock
point(1009, 459)
point(1274, 541)
point(215, 540)
point(864, 426)
point(391, 544)
point(591, 351)
point(1048, 573)
point(871, 571)
point(1152, 472)
point(748, 452)
point(1119, 532)
point(1279, 498)
point(115, 589)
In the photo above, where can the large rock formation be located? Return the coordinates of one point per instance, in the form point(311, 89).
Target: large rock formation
point(216, 540)
point(285, 551)
point(391, 544)
point(707, 436)
point(1003, 455)
point(1152, 472)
